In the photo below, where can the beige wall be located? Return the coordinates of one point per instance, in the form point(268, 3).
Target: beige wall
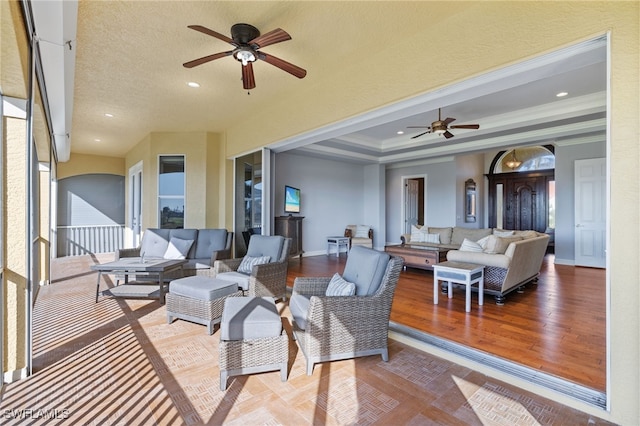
point(15, 244)
point(82, 164)
point(484, 36)
point(205, 168)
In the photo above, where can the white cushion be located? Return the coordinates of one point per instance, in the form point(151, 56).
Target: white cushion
point(177, 248)
point(502, 233)
point(248, 263)
point(432, 238)
point(417, 236)
point(362, 231)
point(483, 242)
point(338, 286)
point(468, 245)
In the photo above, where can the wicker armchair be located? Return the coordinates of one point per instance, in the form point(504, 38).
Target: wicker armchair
point(343, 327)
point(359, 235)
point(265, 280)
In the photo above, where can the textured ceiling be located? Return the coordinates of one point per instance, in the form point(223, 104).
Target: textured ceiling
point(130, 54)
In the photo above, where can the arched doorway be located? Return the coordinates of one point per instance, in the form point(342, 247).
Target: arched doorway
point(521, 191)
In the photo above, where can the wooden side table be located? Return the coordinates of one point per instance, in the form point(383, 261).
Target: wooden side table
point(460, 273)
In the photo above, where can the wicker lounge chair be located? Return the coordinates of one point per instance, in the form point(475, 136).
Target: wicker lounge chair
point(330, 328)
point(265, 280)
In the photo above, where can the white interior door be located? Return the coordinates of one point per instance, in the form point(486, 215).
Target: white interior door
point(135, 203)
point(590, 212)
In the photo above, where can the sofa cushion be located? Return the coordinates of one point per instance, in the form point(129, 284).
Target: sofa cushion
point(474, 234)
point(236, 277)
point(249, 262)
point(248, 318)
point(365, 268)
point(498, 245)
point(299, 307)
point(499, 233)
point(362, 231)
point(445, 234)
point(210, 240)
point(177, 248)
point(468, 245)
point(338, 286)
point(417, 236)
point(262, 245)
point(186, 234)
point(154, 242)
point(202, 288)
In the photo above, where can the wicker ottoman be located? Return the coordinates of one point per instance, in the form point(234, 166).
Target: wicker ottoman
point(252, 339)
point(199, 299)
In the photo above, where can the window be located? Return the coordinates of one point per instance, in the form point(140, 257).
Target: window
point(171, 189)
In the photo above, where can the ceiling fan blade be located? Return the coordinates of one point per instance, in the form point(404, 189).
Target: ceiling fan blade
point(283, 65)
point(466, 126)
point(272, 37)
point(424, 133)
point(449, 120)
point(206, 59)
point(418, 127)
point(248, 81)
point(447, 134)
point(212, 33)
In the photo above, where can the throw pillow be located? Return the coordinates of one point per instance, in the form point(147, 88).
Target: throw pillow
point(499, 245)
point(362, 231)
point(417, 236)
point(468, 245)
point(432, 238)
point(338, 286)
point(249, 262)
point(177, 248)
point(445, 234)
point(498, 233)
point(483, 242)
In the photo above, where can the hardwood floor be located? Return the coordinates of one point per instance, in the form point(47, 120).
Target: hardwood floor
point(556, 326)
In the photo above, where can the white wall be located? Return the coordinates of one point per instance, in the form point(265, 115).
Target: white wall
point(332, 196)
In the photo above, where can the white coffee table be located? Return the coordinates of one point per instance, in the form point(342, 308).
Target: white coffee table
point(460, 273)
point(337, 242)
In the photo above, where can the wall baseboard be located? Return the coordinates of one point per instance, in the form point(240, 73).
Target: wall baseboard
point(15, 375)
point(569, 262)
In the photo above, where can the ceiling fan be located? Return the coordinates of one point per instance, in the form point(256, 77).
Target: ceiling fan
point(442, 127)
point(247, 42)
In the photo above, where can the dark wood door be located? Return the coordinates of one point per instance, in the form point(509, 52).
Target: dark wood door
point(524, 200)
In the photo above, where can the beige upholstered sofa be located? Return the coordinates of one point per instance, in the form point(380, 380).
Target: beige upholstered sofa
point(448, 237)
point(510, 270)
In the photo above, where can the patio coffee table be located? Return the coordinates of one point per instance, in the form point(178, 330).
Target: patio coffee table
point(152, 268)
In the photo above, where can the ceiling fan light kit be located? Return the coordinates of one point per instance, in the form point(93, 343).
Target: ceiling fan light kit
point(441, 127)
point(247, 40)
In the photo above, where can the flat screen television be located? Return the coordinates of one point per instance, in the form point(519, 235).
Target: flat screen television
point(291, 199)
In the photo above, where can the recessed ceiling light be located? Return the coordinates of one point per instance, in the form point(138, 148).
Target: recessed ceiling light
point(193, 84)
point(97, 140)
point(400, 132)
point(108, 115)
point(562, 94)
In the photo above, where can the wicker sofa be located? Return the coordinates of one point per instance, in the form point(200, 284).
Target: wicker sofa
point(450, 237)
point(207, 245)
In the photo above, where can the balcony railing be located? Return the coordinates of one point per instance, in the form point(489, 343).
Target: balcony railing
point(88, 239)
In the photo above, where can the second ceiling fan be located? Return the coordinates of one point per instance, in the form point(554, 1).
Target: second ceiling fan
point(247, 41)
point(442, 127)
